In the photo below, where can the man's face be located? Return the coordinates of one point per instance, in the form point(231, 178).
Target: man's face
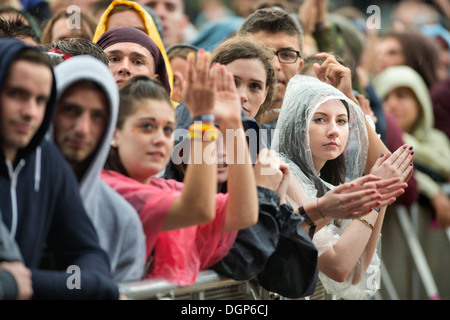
point(23, 100)
point(80, 122)
point(284, 72)
point(173, 19)
point(128, 59)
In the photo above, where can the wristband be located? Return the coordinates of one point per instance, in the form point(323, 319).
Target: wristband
point(309, 222)
point(204, 132)
point(204, 117)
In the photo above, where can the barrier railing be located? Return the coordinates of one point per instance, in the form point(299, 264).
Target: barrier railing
point(209, 286)
point(212, 286)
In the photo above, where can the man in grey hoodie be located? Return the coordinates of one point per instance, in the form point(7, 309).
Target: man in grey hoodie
point(83, 126)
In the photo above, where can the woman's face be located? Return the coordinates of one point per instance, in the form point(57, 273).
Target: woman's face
point(250, 77)
point(144, 142)
point(328, 132)
point(390, 53)
point(403, 105)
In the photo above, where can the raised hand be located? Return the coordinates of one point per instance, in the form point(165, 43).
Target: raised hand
point(389, 189)
point(398, 164)
point(227, 105)
point(198, 91)
point(350, 200)
point(335, 74)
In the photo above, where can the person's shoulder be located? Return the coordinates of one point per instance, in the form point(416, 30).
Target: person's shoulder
point(50, 152)
point(107, 195)
point(166, 183)
point(53, 164)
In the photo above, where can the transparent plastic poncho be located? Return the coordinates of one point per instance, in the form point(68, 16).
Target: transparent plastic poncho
point(304, 94)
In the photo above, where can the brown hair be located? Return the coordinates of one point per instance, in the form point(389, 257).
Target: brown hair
point(272, 21)
point(88, 25)
point(80, 46)
point(34, 56)
point(420, 53)
point(243, 47)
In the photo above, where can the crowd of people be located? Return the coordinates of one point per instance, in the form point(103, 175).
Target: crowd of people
point(263, 140)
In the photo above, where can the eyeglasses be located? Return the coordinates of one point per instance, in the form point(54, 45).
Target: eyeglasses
point(287, 56)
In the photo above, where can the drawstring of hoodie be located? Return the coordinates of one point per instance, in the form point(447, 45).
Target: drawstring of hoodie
point(13, 174)
point(37, 170)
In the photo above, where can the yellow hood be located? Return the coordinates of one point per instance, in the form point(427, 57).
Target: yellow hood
point(150, 27)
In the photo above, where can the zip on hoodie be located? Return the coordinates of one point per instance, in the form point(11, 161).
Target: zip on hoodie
point(13, 175)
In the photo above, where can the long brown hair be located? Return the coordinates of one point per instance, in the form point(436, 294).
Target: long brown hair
point(420, 53)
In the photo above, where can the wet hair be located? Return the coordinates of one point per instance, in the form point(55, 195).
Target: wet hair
point(244, 47)
point(79, 46)
point(136, 89)
point(272, 21)
point(6, 31)
point(22, 30)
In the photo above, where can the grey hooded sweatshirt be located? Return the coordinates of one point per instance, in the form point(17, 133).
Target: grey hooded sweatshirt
point(117, 223)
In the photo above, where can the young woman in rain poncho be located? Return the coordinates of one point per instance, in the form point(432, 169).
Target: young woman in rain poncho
point(323, 137)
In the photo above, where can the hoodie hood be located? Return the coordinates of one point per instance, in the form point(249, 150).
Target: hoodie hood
point(431, 146)
point(150, 28)
point(81, 68)
point(9, 49)
point(404, 76)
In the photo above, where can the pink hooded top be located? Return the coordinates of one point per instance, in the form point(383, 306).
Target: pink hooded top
point(177, 255)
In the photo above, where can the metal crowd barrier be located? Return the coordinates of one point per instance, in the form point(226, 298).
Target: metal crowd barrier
point(208, 286)
point(427, 249)
point(212, 286)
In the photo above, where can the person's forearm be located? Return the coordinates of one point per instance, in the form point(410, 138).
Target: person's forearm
point(339, 260)
point(200, 188)
point(375, 236)
point(316, 216)
point(242, 204)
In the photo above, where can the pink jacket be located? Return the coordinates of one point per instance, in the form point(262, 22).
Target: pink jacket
point(177, 255)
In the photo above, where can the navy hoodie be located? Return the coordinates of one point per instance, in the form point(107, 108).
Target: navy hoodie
point(41, 205)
